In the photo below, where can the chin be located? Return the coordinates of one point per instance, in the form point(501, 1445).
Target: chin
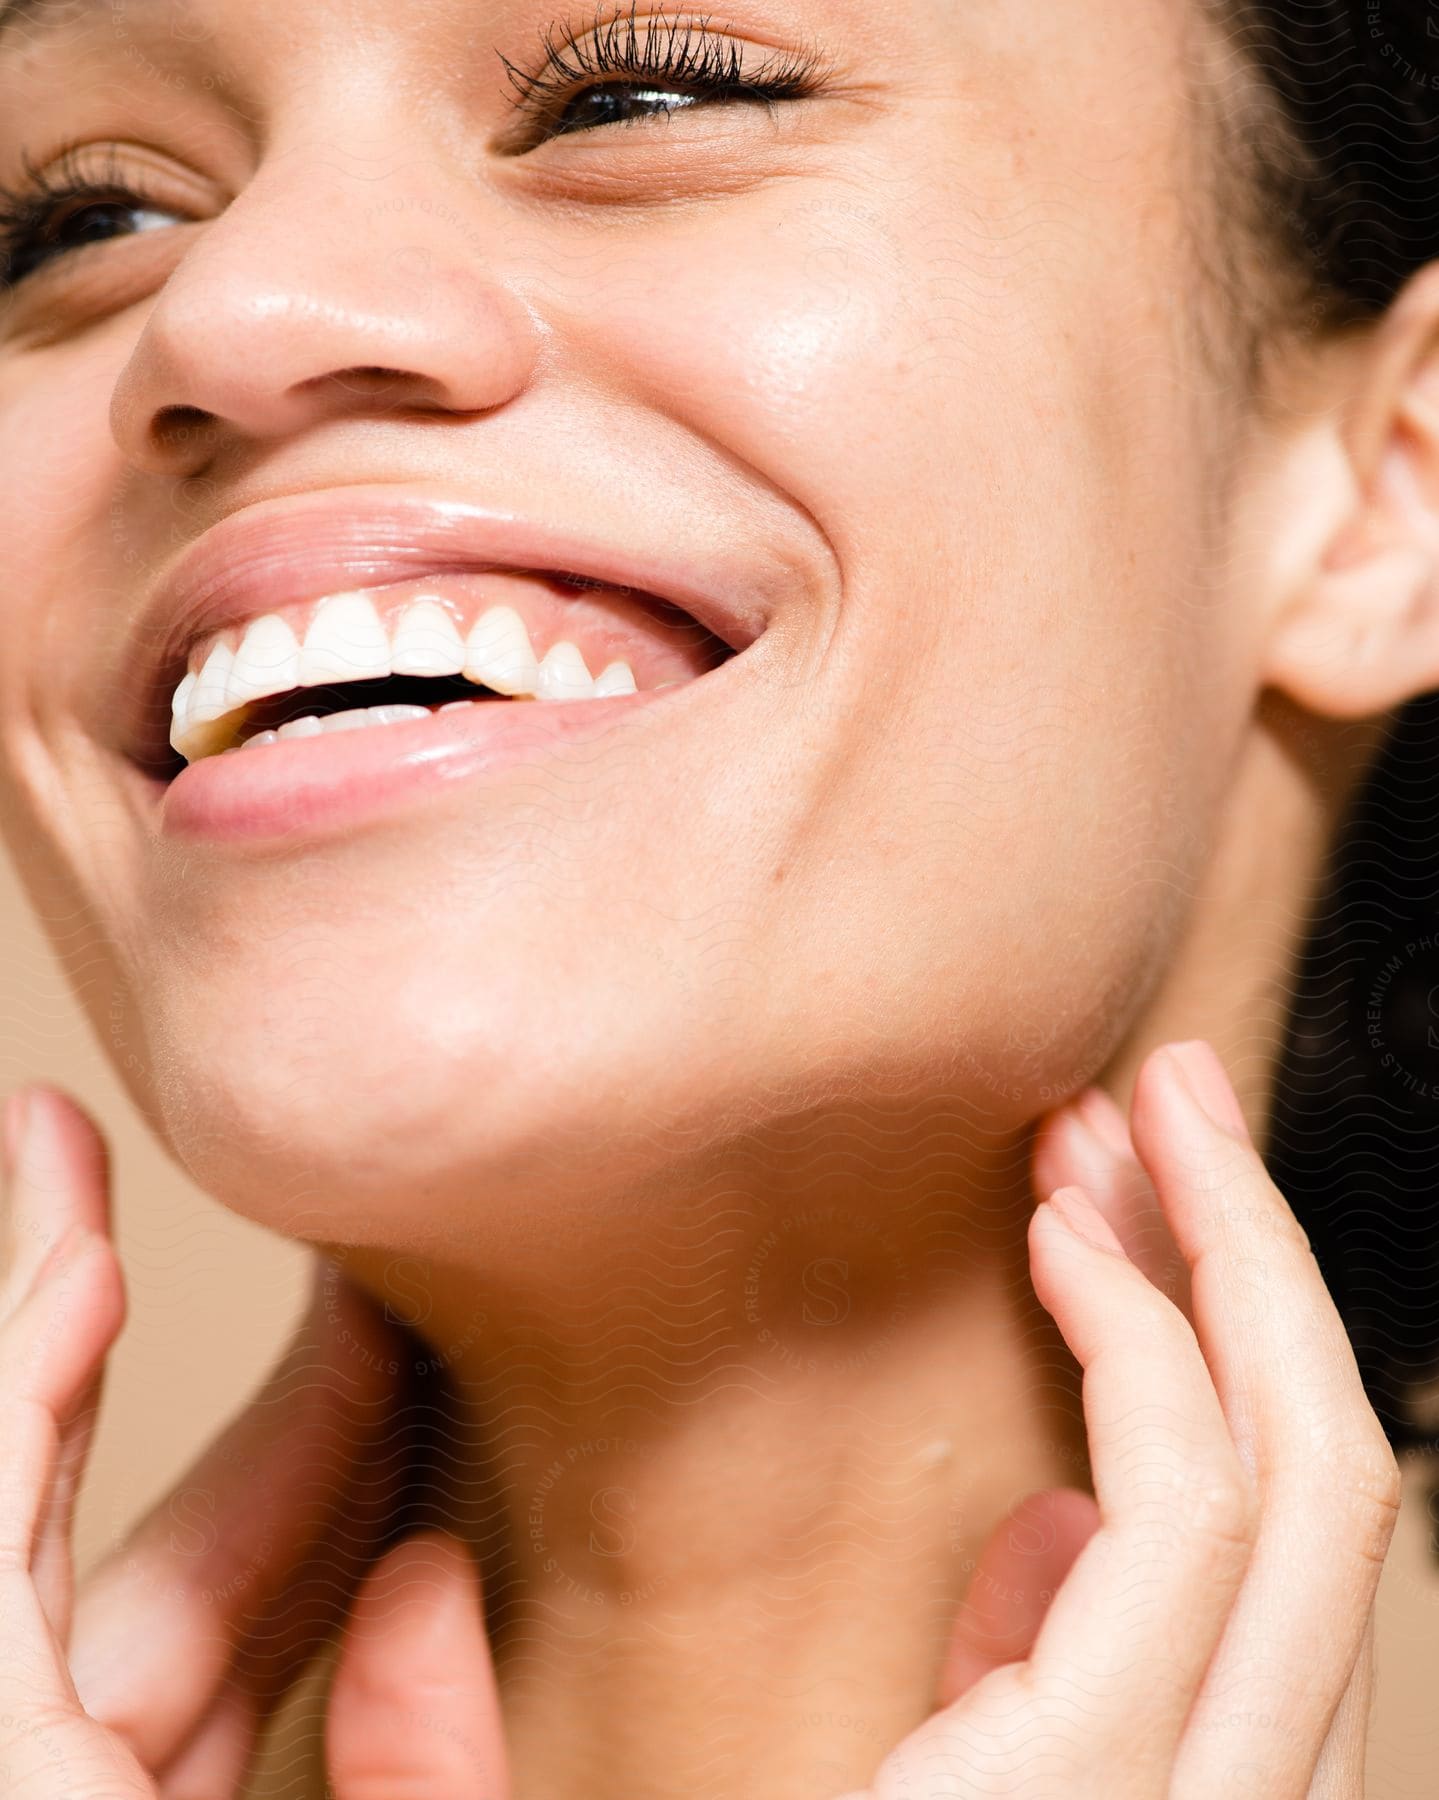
point(433, 1103)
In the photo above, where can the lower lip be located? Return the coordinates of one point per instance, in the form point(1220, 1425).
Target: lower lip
point(314, 785)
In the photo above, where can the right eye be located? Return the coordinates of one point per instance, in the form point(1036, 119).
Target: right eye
point(37, 228)
point(89, 194)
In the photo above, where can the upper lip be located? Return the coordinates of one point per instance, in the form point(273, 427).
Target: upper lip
point(302, 547)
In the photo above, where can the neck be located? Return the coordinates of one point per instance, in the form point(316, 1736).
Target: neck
point(726, 1475)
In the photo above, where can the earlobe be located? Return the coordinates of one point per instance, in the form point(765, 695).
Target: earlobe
point(1366, 641)
point(1359, 634)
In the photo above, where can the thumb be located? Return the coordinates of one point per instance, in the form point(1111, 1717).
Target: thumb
point(413, 1712)
point(1024, 1560)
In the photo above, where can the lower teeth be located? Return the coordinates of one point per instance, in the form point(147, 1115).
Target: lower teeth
point(393, 713)
point(396, 713)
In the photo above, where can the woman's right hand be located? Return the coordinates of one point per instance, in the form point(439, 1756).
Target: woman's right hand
point(156, 1678)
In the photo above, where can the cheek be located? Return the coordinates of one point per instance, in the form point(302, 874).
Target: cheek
point(66, 589)
point(54, 469)
point(60, 471)
point(1005, 725)
point(789, 337)
point(63, 494)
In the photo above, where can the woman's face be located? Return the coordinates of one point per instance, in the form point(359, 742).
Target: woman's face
point(902, 375)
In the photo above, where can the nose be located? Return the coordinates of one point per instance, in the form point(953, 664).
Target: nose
point(312, 297)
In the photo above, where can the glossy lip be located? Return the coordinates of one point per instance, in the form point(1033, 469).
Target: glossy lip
point(301, 789)
point(301, 547)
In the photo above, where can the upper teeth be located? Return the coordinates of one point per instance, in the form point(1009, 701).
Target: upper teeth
point(348, 641)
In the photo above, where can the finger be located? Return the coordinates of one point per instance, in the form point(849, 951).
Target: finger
point(282, 1502)
point(413, 1711)
point(58, 1177)
point(53, 1564)
point(276, 1642)
point(49, 1346)
point(1291, 1392)
point(1125, 1642)
point(1340, 1770)
point(1026, 1557)
point(58, 1186)
point(1087, 1144)
point(55, 1356)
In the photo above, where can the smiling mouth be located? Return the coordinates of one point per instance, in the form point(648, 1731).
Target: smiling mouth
point(370, 658)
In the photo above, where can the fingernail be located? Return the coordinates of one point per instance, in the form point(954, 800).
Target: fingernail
point(1202, 1076)
point(1081, 1217)
point(17, 1112)
point(1105, 1120)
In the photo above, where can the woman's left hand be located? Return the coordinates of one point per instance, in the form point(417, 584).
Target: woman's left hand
point(1210, 1630)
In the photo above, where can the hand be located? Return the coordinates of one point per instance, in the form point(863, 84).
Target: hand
point(155, 1679)
point(1211, 1626)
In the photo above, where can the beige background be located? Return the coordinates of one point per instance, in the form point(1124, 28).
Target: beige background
point(213, 1299)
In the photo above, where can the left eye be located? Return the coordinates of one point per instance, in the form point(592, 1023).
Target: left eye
point(606, 105)
point(619, 76)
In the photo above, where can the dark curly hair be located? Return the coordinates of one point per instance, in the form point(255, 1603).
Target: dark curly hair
point(1341, 155)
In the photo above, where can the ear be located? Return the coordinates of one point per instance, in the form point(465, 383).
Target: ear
point(1358, 631)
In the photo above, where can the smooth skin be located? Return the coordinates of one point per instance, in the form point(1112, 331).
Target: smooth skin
point(682, 1095)
point(1210, 1626)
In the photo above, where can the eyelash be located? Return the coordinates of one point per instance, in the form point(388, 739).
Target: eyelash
point(30, 210)
point(692, 60)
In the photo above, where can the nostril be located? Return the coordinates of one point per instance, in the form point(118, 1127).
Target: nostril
point(393, 389)
point(178, 425)
point(389, 387)
point(358, 379)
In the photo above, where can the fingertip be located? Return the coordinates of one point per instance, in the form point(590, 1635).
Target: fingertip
point(59, 1150)
point(413, 1705)
point(1068, 1148)
point(65, 1327)
point(1075, 1216)
point(432, 1545)
point(1022, 1563)
point(1196, 1066)
point(1185, 1079)
point(1048, 1157)
point(1106, 1120)
point(346, 1330)
point(1072, 1512)
point(43, 1103)
point(416, 1583)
